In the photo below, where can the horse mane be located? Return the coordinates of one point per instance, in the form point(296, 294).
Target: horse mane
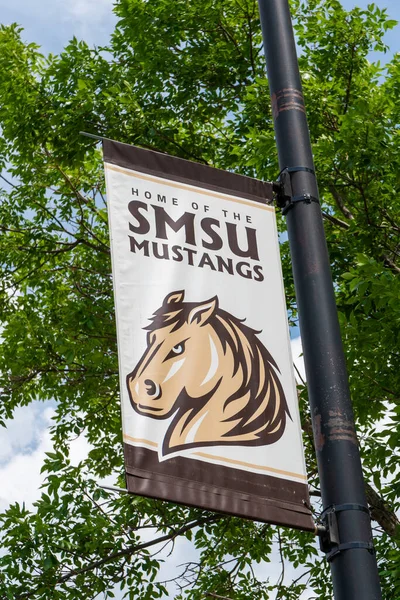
point(260, 381)
point(257, 365)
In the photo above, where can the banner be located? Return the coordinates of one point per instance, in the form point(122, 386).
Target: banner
point(209, 403)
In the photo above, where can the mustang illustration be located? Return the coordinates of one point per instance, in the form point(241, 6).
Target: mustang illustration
point(210, 371)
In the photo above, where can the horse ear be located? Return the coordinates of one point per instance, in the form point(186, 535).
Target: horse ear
point(202, 312)
point(174, 298)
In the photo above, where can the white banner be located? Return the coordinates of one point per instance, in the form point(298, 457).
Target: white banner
point(204, 353)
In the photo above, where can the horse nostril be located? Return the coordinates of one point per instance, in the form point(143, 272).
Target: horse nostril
point(151, 387)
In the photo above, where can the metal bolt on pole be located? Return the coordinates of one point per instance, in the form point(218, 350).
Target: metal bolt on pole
point(349, 545)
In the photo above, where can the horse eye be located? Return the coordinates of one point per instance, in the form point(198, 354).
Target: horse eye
point(179, 348)
point(176, 350)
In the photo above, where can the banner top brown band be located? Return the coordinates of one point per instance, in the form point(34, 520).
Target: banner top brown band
point(186, 171)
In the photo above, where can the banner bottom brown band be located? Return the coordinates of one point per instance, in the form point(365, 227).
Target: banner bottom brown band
point(217, 488)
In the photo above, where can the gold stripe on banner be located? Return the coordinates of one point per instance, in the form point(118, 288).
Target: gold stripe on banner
point(140, 441)
point(246, 464)
point(182, 186)
point(223, 459)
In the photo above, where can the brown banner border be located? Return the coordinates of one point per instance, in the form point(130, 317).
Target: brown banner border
point(186, 171)
point(191, 481)
point(218, 488)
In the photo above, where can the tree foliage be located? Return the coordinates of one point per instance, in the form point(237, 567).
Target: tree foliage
point(187, 78)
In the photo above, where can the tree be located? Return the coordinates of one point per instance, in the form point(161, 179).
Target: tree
point(186, 78)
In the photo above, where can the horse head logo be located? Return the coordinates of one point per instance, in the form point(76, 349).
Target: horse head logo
point(210, 371)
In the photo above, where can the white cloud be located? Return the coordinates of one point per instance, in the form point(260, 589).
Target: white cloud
point(91, 20)
point(22, 451)
point(52, 23)
point(78, 450)
point(23, 433)
point(23, 445)
point(297, 351)
point(82, 9)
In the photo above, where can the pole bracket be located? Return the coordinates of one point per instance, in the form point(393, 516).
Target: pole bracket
point(284, 191)
point(329, 539)
point(350, 546)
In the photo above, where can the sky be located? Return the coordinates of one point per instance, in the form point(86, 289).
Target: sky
point(51, 24)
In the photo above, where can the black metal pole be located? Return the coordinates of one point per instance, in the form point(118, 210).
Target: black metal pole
point(352, 560)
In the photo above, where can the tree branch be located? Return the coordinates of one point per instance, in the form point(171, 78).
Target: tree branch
point(250, 38)
point(349, 81)
point(381, 512)
point(335, 220)
point(340, 202)
point(391, 265)
point(122, 553)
